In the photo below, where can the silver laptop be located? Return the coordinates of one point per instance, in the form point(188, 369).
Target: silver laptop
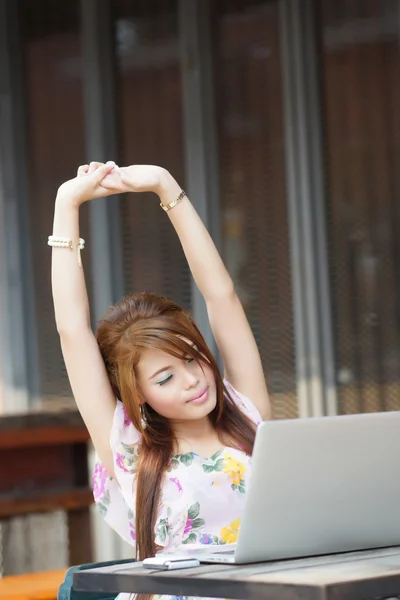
point(319, 486)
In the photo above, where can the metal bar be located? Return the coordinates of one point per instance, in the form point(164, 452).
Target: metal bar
point(317, 208)
point(295, 229)
point(312, 311)
point(200, 140)
point(18, 339)
point(305, 190)
point(98, 83)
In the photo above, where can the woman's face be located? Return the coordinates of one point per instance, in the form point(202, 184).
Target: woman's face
point(178, 389)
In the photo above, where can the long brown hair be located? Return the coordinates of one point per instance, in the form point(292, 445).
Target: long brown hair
point(146, 320)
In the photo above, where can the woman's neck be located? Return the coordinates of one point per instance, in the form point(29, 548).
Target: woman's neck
point(195, 435)
point(194, 428)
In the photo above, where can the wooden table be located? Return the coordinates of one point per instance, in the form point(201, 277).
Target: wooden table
point(351, 576)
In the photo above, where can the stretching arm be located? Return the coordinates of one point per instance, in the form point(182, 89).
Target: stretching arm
point(85, 367)
point(228, 321)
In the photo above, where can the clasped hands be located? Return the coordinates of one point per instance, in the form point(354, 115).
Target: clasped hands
point(97, 179)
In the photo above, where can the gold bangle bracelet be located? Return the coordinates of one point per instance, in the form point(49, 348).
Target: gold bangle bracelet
point(168, 207)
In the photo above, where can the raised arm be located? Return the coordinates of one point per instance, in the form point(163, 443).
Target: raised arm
point(86, 371)
point(231, 329)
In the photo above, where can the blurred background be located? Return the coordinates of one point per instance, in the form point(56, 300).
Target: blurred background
point(281, 120)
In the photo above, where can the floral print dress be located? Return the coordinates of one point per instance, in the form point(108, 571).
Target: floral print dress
point(201, 499)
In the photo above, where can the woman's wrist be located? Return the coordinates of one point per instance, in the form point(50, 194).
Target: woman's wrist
point(168, 188)
point(67, 201)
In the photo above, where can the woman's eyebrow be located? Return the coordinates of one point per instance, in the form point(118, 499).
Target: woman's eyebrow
point(160, 371)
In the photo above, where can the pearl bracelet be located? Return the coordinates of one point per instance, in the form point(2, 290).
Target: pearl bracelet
point(61, 242)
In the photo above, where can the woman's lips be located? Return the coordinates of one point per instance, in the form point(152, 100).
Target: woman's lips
point(199, 398)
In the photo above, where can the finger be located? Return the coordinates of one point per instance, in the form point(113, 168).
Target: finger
point(94, 165)
point(82, 170)
point(103, 171)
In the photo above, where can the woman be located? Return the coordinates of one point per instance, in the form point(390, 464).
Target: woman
point(173, 438)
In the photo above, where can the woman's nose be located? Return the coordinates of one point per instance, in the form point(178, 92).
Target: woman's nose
point(191, 378)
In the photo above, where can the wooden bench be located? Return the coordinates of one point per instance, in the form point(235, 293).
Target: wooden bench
point(33, 586)
point(44, 468)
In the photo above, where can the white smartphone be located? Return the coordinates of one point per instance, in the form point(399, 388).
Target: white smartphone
point(168, 563)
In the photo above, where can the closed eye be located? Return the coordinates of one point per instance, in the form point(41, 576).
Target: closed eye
point(164, 381)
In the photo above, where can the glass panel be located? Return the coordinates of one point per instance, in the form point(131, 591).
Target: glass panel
point(55, 139)
point(150, 113)
point(248, 87)
point(361, 79)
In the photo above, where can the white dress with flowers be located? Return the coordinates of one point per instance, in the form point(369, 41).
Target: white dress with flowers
point(201, 499)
